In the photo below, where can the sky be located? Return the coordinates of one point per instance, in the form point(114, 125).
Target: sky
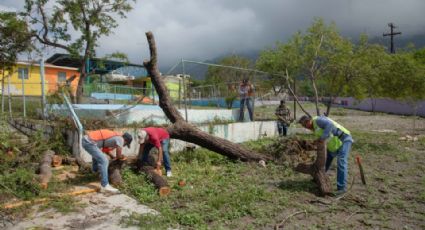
point(205, 29)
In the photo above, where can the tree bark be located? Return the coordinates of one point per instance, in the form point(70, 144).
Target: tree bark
point(294, 95)
point(317, 170)
point(159, 182)
point(114, 172)
point(45, 168)
point(185, 131)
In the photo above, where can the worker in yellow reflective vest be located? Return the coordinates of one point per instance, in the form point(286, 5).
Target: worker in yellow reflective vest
point(338, 141)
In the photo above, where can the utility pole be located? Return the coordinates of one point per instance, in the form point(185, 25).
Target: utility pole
point(392, 34)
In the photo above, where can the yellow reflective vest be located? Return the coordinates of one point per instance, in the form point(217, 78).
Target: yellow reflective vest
point(333, 143)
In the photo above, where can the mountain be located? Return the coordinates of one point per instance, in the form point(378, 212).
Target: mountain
point(198, 71)
point(401, 41)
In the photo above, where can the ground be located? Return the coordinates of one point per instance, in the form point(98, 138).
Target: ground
point(223, 194)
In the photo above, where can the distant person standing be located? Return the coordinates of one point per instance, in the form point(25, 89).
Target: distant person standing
point(283, 118)
point(246, 92)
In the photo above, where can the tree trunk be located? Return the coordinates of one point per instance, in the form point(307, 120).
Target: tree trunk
point(316, 94)
point(185, 131)
point(328, 106)
point(79, 93)
point(114, 172)
point(415, 112)
point(159, 182)
point(45, 168)
point(317, 170)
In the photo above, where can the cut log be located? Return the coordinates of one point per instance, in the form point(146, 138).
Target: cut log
point(317, 170)
point(183, 130)
point(56, 161)
point(159, 182)
point(69, 161)
point(114, 172)
point(45, 168)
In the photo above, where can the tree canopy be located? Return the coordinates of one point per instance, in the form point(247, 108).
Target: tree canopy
point(75, 25)
point(14, 38)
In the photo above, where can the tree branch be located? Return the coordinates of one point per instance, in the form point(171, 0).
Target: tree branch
point(293, 94)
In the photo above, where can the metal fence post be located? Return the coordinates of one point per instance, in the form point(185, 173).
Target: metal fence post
point(9, 96)
point(23, 92)
point(2, 93)
point(185, 90)
point(43, 96)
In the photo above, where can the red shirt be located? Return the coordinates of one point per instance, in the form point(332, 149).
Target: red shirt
point(156, 135)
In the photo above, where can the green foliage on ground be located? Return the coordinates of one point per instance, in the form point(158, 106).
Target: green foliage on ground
point(224, 194)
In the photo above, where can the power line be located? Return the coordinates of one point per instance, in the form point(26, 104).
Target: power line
point(391, 34)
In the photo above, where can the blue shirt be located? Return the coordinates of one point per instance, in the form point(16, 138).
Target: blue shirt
point(329, 128)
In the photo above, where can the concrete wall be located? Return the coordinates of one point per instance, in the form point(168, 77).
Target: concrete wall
point(149, 113)
point(381, 105)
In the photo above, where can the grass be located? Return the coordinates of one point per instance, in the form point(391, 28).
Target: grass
point(215, 194)
point(224, 194)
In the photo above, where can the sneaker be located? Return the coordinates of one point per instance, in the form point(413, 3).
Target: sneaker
point(108, 189)
point(169, 174)
point(339, 193)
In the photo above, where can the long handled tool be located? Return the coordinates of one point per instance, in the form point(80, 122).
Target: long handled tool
point(359, 163)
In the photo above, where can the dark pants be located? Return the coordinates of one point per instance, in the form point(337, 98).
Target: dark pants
point(248, 103)
point(282, 128)
point(165, 155)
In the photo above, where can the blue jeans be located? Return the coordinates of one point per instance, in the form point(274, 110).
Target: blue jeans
point(99, 160)
point(248, 103)
point(165, 155)
point(342, 164)
point(282, 128)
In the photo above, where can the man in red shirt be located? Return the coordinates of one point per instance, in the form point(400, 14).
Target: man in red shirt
point(159, 138)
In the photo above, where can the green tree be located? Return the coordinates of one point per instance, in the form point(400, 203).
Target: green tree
point(285, 57)
point(91, 19)
point(227, 79)
point(14, 38)
point(372, 65)
point(405, 79)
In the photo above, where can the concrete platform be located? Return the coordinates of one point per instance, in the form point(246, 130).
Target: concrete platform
point(98, 212)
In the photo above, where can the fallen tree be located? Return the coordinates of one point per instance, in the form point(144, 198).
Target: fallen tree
point(182, 130)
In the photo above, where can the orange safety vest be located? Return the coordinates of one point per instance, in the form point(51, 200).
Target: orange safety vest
point(102, 134)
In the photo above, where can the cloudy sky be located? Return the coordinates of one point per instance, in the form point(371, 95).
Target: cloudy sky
point(204, 29)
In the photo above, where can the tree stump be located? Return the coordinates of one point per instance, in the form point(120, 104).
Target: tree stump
point(45, 168)
point(317, 170)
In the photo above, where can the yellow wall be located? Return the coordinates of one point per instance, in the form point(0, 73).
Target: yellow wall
point(32, 85)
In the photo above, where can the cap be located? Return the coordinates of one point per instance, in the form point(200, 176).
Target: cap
point(128, 139)
point(304, 119)
point(142, 135)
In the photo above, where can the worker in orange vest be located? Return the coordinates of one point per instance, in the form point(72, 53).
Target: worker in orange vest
point(106, 140)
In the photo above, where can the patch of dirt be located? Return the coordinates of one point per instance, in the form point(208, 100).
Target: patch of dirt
point(292, 151)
